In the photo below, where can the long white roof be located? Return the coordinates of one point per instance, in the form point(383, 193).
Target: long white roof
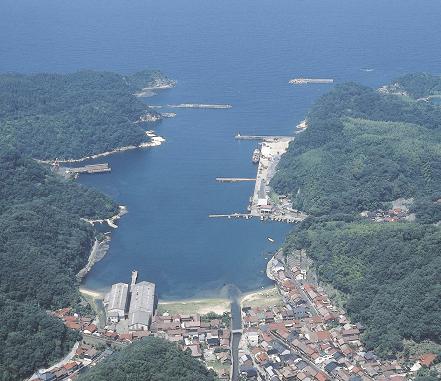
point(142, 303)
point(118, 296)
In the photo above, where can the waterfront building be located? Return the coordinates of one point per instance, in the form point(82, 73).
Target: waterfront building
point(262, 199)
point(142, 306)
point(116, 302)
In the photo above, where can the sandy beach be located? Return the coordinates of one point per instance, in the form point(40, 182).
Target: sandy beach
point(262, 298)
point(200, 306)
point(91, 293)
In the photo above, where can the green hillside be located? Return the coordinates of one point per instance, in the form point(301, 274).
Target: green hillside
point(43, 244)
point(152, 359)
point(64, 116)
point(361, 149)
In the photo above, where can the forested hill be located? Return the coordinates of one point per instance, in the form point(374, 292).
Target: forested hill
point(152, 359)
point(363, 148)
point(43, 244)
point(417, 86)
point(48, 116)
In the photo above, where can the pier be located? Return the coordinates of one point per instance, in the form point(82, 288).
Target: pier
point(289, 219)
point(261, 137)
point(305, 81)
point(93, 168)
point(233, 179)
point(232, 215)
point(261, 205)
point(199, 105)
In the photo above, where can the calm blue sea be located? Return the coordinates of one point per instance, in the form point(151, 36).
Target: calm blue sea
point(238, 52)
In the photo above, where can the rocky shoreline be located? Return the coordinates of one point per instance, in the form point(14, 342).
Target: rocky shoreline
point(158, 83)
point(98, 252)
point(110, 221)
point(155, 140)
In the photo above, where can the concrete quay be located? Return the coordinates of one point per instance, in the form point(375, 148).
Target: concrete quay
point(261, 204)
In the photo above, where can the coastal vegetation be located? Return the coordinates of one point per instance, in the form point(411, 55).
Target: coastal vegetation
point(43, 244)
point(151, 359)
point(417, 85)
point(69, 116)
point(362, 150)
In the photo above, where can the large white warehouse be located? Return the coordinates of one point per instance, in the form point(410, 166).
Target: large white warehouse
point(116, 301)
point(142, 304)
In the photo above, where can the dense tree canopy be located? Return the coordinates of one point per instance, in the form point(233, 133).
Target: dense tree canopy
point(362, 148)
point(152, 359)
point(418, 85)
point(43, 244)
point(30, 339)
point(50, 116)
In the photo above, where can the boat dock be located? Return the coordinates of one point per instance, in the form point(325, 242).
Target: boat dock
point(199, 105)
point(261, 205)
point(287, 219)
point(93, 168)
point(232, 215)
point(233, 179)
point(261, 137)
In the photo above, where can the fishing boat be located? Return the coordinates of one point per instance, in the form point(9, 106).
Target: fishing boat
point(256, 156)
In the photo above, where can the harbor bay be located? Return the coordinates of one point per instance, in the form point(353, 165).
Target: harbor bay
point(171, 189)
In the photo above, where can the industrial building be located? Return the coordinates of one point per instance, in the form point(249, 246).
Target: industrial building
point(116, 302)
point(142, 305)
point(133, 305)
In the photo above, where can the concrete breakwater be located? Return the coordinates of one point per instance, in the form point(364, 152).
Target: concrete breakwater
point(199, 105)
point(98, 252)
point(304, 81)
point(157, 84)
point(110, 221)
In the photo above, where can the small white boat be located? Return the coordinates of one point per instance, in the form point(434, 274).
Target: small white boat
point(270, 239)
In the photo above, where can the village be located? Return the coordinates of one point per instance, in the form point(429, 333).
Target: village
point(130, 313)
point(306, 337)
point(300, 336)
point(399, 210)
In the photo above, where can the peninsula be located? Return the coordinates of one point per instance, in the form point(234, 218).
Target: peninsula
point(71, 117)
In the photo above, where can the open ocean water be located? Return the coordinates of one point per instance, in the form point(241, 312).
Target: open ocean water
point(237, 52)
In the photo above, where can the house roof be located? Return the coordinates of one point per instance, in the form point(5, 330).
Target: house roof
point(427, 359)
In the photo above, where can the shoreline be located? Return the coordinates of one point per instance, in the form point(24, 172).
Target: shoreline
point(91, 293)
point(155, 141)
point(201, 306)
point(158, 85)
point(97, 252)
point(260, 298)
point(122, 210)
